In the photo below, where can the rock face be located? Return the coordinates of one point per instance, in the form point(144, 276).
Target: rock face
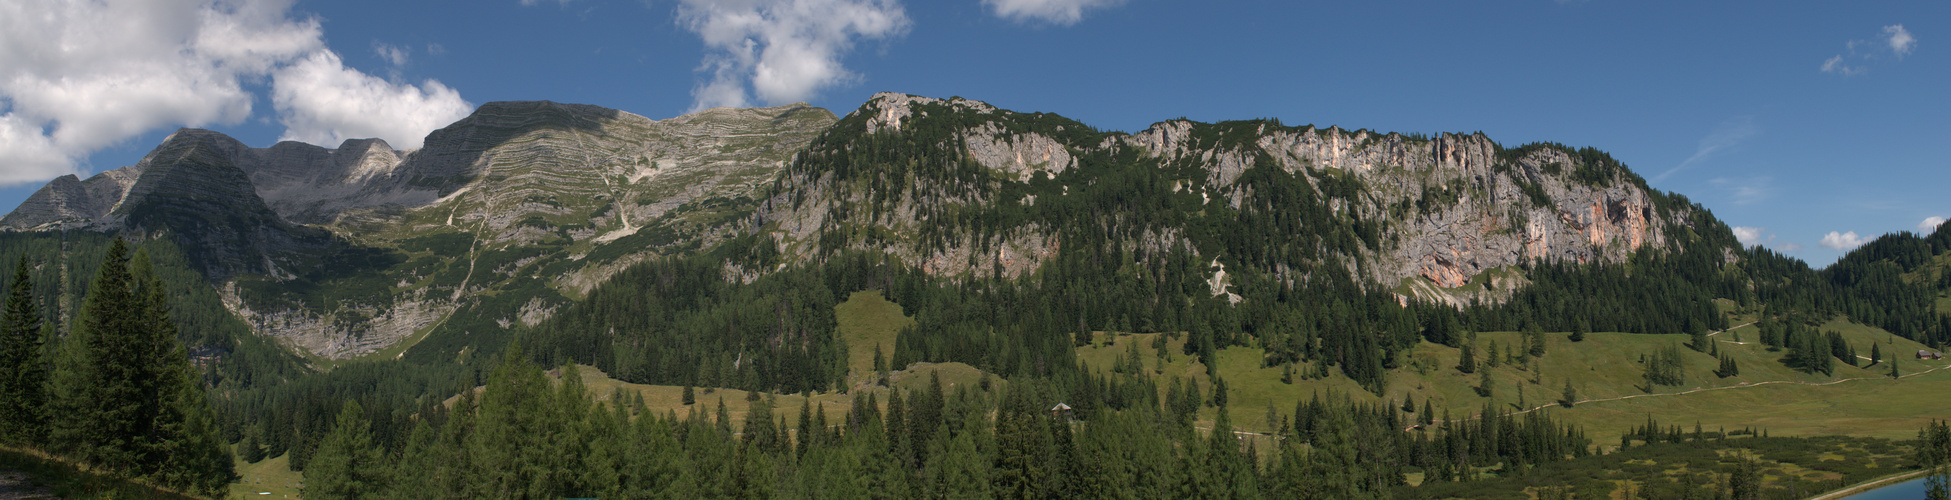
point(1439, 211)
point(582, 191)
point(68, 202)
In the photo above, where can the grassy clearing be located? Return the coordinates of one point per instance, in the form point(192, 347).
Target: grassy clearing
point(867, 319)
point(669, 399)
point(271, 475)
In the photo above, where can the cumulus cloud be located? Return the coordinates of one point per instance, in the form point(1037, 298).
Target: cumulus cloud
point(27, 154)
point(76, 77)
point(1050, 11)
point(1899, 39)
point(1748, 235)
point(1930, 224)
point(1728, 134)
point(321, 101)
point(1860, 53)
point(781, 50)
point(1843, 242)
point(79, 76)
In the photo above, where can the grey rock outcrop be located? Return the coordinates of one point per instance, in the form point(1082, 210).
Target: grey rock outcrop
point(1448, 209)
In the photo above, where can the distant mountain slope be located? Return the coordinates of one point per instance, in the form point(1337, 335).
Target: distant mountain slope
point(340, 252)
point(958, 187)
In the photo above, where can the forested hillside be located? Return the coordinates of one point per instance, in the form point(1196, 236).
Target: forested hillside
point(406, 358)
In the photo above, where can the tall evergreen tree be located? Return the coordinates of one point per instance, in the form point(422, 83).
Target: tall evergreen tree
point(98, 380)
point(186, 450)
point(126, 398)
point(347, 465)
point(23, 365)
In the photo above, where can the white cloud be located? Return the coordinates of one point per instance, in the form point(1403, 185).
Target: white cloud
point(1051, 11)
point(27, 155)
point(784, 50)
point(1899, 39)
point(1727, 135)
point(1930, 224)
point(79, 76)
point(1748, 235)
point(393, 54)
point(1836, 65)
point(1861, 53)
point(324, 102)
point(1843, 242)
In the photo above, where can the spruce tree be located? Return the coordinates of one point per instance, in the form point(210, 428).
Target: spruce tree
point(126, 398)
point(23, 365)
point(186, 450)
point(1467, 358)
point(99, 381)
point(347, 464)
point(1570, 396)
point(1534, 337)
point(1578, 330)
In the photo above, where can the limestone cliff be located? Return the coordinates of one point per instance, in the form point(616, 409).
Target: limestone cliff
point(1427, 215)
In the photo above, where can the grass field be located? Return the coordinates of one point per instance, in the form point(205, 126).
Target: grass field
point(268, 478)
point(867, 320)
point(1607, 373)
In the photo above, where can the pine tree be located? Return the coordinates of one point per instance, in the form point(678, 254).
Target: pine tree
point(97, 378)
point(126, 398)
point(186, 450)
point(23, 366)
point(1578, 330)
point(1876, 353)
point(1570, 396)
point(1467, 358)
point(347, 464)
point(1535, 338)
point(690, 396)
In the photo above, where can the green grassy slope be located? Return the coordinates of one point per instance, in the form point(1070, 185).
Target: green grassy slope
point(1606, 371)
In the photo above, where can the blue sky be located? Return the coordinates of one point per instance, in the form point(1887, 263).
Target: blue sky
point(1812, 126)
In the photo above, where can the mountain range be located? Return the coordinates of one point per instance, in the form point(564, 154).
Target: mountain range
point(523, 207)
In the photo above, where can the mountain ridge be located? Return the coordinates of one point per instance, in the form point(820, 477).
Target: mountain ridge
point(554, 198)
